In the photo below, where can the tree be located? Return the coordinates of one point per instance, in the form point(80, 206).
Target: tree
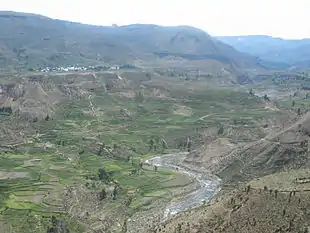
point(184, 145)
point(179, 228)
point(248, 188)
point(139, 97)
point(140, 164)
point(157, 139)
point(81, 151)
point(47, 117)
point(115, 191)
point(58, 226)
point(251, 92)
point(102, 194)
point(189, 144)
point(124, 227)
point(180, 145)
point(164, 144)
point(220, 130)
point(61, 142)
point(151, 144)
point(149, 76)
point(101, 148)
point(266, 98)
point(103, 175)
point(298, 112)
point(40, 176)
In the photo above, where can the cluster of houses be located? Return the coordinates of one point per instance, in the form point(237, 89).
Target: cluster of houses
point(78, 68)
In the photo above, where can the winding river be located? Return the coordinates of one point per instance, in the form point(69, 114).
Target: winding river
point(207, 185)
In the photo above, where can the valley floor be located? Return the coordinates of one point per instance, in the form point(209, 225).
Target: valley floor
point(77, 149)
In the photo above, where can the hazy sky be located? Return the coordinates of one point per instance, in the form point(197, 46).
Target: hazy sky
point(282, 18)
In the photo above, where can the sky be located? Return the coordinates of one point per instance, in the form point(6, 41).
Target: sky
point(279, 18)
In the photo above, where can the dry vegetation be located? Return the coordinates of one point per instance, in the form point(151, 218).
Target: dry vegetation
point(277, 151)
point(59, 130)
point(246, 210)
point(276, 167)
point(73, 145)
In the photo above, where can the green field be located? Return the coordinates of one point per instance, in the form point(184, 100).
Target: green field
point(39, 191)
point(113, 131)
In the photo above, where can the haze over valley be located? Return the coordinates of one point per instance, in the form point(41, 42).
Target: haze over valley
point(147, 126)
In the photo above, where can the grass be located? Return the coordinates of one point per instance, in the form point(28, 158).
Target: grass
point(157, 118)
point(78, 143)
point(12, 203)
point(19, 195)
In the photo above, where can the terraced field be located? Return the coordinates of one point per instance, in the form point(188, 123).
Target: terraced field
point(83, 162)
point(36, 184)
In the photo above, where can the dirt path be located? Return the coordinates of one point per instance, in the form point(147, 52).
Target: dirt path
point(304, 118)
point(202, 118)
point(91, 105)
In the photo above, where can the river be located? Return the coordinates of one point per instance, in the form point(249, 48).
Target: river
point(207, 185)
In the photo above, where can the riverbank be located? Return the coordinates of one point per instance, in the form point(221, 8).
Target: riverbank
point(207, 185)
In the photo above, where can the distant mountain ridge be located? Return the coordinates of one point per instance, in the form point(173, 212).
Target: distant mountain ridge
point(291, 52)
point(28, 40)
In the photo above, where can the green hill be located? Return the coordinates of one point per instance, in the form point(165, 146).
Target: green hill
point(32, 41)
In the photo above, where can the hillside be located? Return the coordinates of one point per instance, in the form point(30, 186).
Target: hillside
point(155, 148)
point(32, 41)
point(249, 209)
point(284, 147)
point(290, 52)
point(265, 182)
point(87, 133)
point(74, 148)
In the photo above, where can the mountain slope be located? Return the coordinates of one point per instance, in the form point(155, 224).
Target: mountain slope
point(28, 40)
point(285, 149)
point(272, 49)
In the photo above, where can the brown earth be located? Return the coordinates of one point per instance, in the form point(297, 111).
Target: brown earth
point(277, 197)
point(246, 210)
point(279, 150)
